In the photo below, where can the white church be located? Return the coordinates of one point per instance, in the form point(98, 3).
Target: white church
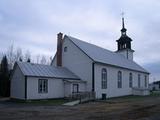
point(80, 67)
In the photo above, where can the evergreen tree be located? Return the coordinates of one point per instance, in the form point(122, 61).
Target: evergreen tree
point(20, 59)
point(0, 79)
point(4, 78)
point(29, 60)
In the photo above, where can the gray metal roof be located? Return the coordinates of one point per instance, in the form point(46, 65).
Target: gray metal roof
point(105, 56)
point(38, 70)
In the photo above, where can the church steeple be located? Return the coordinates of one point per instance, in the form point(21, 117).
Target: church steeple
point(123, 30)
point(124, 43)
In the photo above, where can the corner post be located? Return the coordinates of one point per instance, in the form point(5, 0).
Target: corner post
point(93, 77)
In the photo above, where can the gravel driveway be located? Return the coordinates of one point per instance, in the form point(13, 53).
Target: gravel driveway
point(147, 108)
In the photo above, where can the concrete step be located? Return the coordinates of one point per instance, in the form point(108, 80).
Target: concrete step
point(4, 98)
point(72, 103)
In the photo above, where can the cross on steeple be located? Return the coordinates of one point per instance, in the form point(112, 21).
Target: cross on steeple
point(122, 14)
point(123, 20)
point(123, 30)
point(124, 42)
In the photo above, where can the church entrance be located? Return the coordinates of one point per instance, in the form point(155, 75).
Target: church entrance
point(104, 96)
point(75, 88)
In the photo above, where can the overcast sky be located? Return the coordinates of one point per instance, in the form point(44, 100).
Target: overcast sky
point(33, 25)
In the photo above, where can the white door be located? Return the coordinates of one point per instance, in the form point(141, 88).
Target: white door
point(75, 88)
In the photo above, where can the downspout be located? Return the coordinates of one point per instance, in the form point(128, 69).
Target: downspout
point(25, 90)
point(93, 77)
point(127, 54)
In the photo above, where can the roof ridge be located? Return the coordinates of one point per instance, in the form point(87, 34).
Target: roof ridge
point(102, 55)
point(46, 71)
point(92, 44)
point(97, 46)
point(37, 64)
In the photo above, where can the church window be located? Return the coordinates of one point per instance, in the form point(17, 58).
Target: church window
point(123, 45)
point(145, 81)
point(65, 49)
point(104, 78)
point(130, 80)
point(119, 79)
point(43, 86)
point(139, 80)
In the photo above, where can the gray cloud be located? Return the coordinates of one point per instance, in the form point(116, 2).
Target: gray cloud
point(154, 69)
point(34, 24)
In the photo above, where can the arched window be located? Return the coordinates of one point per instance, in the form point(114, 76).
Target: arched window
point(65, 49)
point(130, 80)
point(145, 82)
point(139, 80)
point(104, 78)
point(119, 79)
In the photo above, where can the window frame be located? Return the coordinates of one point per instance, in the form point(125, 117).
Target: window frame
point(145, 81)
point(104, 78)
point(65, 49)
point(75, 86)
point(119, 79)
point(42, 85)
point(139, 80)
point(130, 80)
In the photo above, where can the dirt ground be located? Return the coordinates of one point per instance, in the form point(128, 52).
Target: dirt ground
point(127, 108)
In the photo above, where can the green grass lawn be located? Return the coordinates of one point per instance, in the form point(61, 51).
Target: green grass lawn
point(110, 100)
point(133, 97)
point(49, 102)
point(155, 93)
point(40, 102)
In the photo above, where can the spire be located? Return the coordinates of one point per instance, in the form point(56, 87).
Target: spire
point(123, 30)
point(124, 42)
point(123, 23)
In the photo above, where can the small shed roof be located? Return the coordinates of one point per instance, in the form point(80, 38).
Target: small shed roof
point(38, 70)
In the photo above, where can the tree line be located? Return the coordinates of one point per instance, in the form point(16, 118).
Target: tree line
point(4, 77)
point(17, 54)
point(7, 62)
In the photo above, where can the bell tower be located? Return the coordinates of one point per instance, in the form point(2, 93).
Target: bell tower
point(124, 43)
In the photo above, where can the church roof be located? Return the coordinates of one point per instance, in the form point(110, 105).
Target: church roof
point(124, 38)
point(38, 70)
point(101, 55)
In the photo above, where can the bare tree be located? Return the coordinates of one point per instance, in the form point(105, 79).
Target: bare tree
point(18, 55)
point(38, 59)
point(10, 56)
point(27, 56)
point(50, 60)
point(43, 60)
